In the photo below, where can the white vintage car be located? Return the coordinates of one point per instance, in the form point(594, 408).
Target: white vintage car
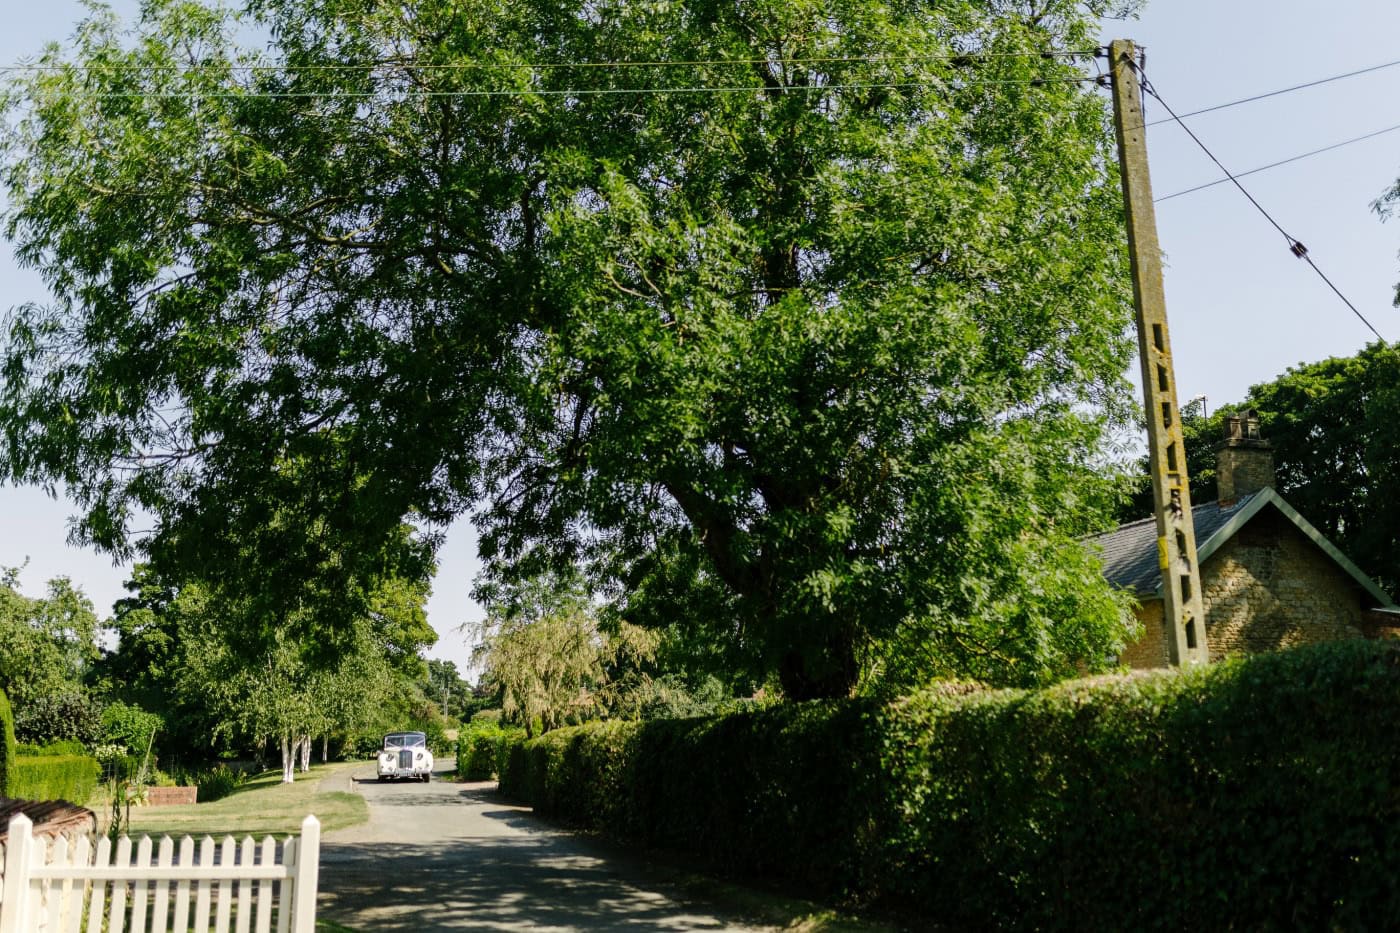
point(405, 755)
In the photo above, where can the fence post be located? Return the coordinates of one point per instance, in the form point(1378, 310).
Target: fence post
point(307, 871)
point(19, 862)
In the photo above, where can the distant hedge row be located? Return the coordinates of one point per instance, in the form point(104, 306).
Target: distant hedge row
point(55, 777)
point(7, 745)
point(482, 748)
point(1258, 793)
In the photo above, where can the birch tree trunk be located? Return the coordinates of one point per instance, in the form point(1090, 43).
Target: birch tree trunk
point(304, 747)
point(288, 760)
point(325, 747)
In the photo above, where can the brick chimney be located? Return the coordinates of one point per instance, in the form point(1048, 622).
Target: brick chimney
point(1244, 461)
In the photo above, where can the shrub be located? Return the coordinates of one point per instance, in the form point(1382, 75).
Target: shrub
point(55, 777)
point(481, 749)
point(1113, 803)
point(7, 746)
point(216, 783)
point(70, 715)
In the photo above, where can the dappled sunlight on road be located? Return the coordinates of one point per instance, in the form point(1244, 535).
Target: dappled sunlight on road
point(445, 856)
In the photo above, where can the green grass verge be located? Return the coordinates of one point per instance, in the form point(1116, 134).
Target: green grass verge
point(264, 805)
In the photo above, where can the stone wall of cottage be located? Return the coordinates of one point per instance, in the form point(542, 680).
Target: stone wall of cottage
point(1268, 587)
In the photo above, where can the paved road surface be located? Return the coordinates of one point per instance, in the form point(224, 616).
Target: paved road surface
point(447, 856)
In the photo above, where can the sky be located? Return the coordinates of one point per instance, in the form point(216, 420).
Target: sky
point(1241, 307)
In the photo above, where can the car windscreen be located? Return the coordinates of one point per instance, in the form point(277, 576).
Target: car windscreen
point(405, 740)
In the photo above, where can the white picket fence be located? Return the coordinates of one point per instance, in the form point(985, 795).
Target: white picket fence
point(65, 886)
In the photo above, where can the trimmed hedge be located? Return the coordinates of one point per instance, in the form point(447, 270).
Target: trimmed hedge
point(1254, 793)
point(482, 748)
point(61, 747)
point(7, 746)
point(55, 777)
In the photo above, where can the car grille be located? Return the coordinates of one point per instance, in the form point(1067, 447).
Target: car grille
point(405, 758)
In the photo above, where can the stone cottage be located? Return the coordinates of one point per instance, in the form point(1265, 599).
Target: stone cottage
point(1269, 579)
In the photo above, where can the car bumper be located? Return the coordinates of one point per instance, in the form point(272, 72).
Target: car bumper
point(396, 772)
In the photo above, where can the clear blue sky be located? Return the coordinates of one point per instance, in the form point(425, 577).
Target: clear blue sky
point(1242, 308)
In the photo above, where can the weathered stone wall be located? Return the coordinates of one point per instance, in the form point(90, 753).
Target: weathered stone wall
point(1151, 649)
point(1268, 587)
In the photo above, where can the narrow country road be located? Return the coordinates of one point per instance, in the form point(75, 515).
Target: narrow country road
point(448, 856)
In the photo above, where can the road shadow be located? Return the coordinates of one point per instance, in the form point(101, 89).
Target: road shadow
point(526, 878)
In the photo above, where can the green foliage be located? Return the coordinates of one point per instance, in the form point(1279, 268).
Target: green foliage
point(818, 372)
point(125, 724)
point(545, 652)
point(69, 715)
point(55, 777)
point(455, 697)
point(62, 747)
point(48, 645)
point(1113, 803)
point(7, 746)
point(481, 750)
point(214, 783)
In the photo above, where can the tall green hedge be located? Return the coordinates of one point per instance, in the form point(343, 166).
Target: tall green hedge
point(7, 746)
point(55, 777)
point(1258, 793)
point(482, 747)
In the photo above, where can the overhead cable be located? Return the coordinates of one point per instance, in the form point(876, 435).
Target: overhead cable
point(1295, 245)
point(1280, 91)
point(1288, 161)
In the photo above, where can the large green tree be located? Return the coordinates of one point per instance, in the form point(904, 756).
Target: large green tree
point(48, 648)
point(796, 322)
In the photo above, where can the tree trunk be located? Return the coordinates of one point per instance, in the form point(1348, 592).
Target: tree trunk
point(325, 747)
point(821, 672)
point(289, 761)
point(304, 747)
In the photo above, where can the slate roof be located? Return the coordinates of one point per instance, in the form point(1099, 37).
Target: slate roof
point(1129, 552)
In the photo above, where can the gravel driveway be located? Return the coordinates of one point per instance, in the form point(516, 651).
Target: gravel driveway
point(448, 856)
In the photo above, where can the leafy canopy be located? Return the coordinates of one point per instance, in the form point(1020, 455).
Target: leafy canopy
point(806, 340)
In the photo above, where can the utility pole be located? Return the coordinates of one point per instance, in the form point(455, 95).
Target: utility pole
point(1183, 612)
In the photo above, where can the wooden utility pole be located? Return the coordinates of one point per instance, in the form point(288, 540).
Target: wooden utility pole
point(1183, 613)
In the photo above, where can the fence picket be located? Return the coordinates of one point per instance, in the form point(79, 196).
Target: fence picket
point(82, 855)
point(58, 889)
point(225, 886)
point(138, 900)
point(98, 905)
point(160, 905)
point(116, 920)
point(269, 856)
point(201, 901)
point(245, 887)
point(284, 887)
point(19, 860)
point(182, 888)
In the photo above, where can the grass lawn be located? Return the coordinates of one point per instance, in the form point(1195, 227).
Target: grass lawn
point(263, 805)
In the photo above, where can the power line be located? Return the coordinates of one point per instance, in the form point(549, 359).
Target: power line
point(407, 94)
point(955, 58)
point(1286, 90)
point(1271, 165)
point(1295, 246)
